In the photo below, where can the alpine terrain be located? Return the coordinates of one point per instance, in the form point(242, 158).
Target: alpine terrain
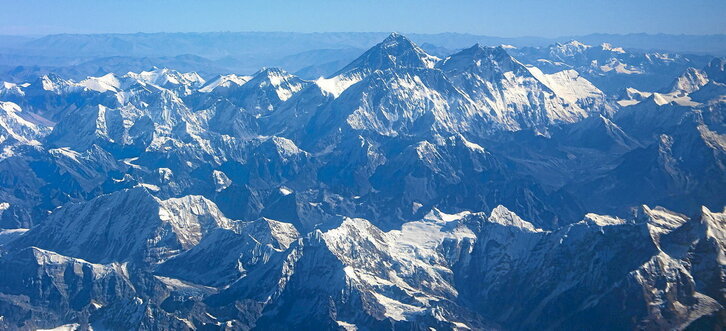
point(564, 187)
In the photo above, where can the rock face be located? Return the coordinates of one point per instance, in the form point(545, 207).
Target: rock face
point(445, 270)
point(496, 188)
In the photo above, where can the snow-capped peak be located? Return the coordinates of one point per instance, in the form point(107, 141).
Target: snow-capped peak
point(396, 51)
point(225, 81)
point(715, 227)
point(165, 77)
point(568, 49)
point(503, 216)
point(690, 81)
point(484, 60)
point(54, 83)
point(16, 129)
point(284, 84)
point(108, 82)
point(609, 47)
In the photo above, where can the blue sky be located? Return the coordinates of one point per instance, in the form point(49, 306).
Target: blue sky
point(507, 18)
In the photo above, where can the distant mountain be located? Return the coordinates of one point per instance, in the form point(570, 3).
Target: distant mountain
point(220, 44)
point(610, 67)
point(692, 44)
point(312, 54)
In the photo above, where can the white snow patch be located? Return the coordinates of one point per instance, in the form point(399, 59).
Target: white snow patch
point(150, 187)
point(396, 310)
point(502, 215)
point(129, 162)
point(568, 84)
point(10, 234)
point(225, 81)
point(221, 181)
point(347, 326)
point(608, 47)
point(108, 82)
point(604, 220)
point(422, 238)
point(66, 327)
point(337, 84)
point(284, 84)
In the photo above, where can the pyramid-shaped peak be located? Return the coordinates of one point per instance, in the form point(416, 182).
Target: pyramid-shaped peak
point(397, 43)
point(273, 74)
point(478, 52)
point(51, 77)
point(270, 71)
point(481, 59)
point(396, 51)
point(481, 50)
point(395, 36)
point(52, 82)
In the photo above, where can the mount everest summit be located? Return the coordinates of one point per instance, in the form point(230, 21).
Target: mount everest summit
point(562, 187)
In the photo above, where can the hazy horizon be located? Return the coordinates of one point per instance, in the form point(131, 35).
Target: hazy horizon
point(363, 32)
point(510, 20)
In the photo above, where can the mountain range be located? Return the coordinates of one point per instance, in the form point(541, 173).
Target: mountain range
point(309, 55)
point(567, 186)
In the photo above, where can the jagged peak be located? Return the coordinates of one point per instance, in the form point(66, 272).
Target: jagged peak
point(353, 228)
point(395, 37)
point(603, 220)
point(573, 43)
point(283, 83)
point(268, 71)
point(52, 82)
point(46, 257)
point(595, 122)
point(275, 76)
point(10, 107)
point(225, 81)
point(660, 217)
point(438, 216)
point(151, 229)
point(459, 139)
point(52, 77)
point(107, 82)
point(715, 223)
point(689, 81)
point(397, 43)
point(140, 191)
point(163, 76)
point(282, 146)
point(396, 51)
point(483, 58)
point(265, 229)
point(609, 47)
point(482, 50)
point(569, 48)
point(503, 216)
